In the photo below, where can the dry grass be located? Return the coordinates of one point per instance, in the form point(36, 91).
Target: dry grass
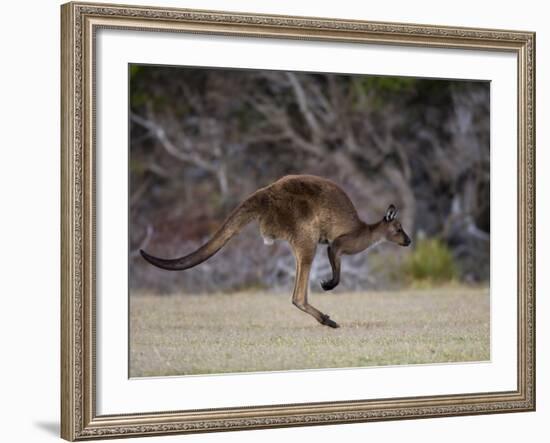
point(255, 331)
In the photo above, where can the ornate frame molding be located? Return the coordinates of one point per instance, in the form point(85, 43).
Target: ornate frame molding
point(79, 420)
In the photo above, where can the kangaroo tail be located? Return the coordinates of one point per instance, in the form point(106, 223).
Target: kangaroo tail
point(238, 219)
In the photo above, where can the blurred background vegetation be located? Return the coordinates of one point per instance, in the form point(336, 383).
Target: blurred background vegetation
point(201, 140)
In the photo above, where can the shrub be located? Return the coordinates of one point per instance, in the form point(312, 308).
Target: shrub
point(430, 262)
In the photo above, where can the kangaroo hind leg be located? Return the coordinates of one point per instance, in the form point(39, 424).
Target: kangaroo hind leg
point(304, 258)
point(334, 259)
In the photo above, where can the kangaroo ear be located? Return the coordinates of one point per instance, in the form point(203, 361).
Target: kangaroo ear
point(391, 213)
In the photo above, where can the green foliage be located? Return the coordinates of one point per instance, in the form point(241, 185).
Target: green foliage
point(386, 84)
point(382, 90)
point(135, 70)
point(430, 262)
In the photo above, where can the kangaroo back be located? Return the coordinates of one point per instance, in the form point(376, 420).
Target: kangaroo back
point(238, 219)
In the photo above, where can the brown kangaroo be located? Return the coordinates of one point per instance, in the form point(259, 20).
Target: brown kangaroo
point(304, 210)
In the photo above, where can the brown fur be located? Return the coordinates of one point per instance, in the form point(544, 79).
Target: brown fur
point(303, 210)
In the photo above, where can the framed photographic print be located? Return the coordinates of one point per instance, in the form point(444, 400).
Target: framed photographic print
point(282, 221)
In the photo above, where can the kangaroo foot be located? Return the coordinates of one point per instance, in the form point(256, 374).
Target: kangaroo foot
point(328, 285)
point(325, 320)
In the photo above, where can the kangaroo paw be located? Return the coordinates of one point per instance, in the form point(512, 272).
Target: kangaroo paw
point(328, 285)
point(325, 320)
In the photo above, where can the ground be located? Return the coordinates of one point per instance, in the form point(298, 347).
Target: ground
point(262, 331)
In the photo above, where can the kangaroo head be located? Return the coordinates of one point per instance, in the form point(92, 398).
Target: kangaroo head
point(393, 231)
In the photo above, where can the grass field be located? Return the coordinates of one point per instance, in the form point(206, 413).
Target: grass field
point(255, 331)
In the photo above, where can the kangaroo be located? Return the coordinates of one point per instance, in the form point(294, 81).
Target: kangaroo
point(303, 210)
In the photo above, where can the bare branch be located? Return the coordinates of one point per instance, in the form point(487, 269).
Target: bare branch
point(304, 105)
point(136, 195)
point(167, 144)
point(280, 119)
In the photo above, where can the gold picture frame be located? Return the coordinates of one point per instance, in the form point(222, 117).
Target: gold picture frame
point(80, 21)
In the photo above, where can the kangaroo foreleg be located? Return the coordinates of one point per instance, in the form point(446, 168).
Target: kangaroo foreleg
point(299, 296)
point(334, 259)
